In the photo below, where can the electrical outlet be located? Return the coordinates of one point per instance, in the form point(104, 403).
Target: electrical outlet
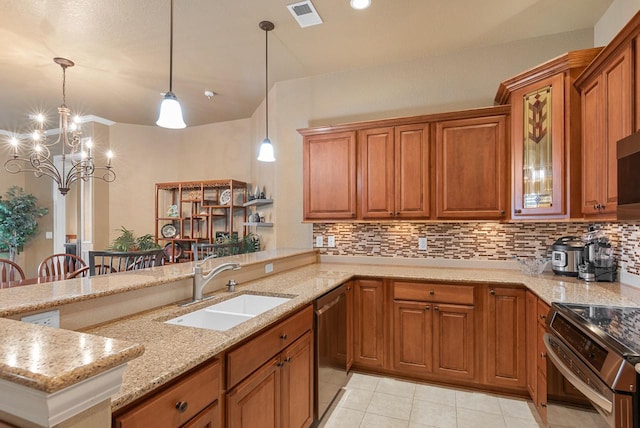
point(319, 243)
point(422, 244)
point(331, 241)
point(49, 319)
point(268, 268)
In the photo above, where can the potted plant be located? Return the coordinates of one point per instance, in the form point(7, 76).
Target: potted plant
point(19, 214)
point(127, 241)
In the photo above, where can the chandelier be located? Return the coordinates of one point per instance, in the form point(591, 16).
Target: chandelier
point(36, 156)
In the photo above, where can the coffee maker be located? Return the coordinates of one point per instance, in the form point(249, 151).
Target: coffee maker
point(598, 261)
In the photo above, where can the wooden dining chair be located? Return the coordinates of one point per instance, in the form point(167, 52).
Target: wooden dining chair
point(60, 266)
point(10, 271)
point(120, 261)
point(86, 270)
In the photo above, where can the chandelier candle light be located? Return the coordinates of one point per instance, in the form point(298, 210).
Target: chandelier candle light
point(38, 158)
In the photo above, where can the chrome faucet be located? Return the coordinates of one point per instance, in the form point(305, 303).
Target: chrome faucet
point(200, 280)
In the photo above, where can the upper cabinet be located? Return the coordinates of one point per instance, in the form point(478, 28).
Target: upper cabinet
point(329, 176)
point(394, 172)
point(545, 137)
point(606, 88)
point(471, 168)
point(385, 169)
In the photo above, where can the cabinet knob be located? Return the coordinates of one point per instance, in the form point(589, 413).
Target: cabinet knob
point(287, 360)
point(435, 308)
point(431, 292)
point(492, 292)
point(502, 212)
point(427, 307)
point(397, 212)
point(596, 206)
point(603, 207)
point(353, 214)
point(518, 211)
point(181, 406)
point(391, 213)
point(543, 317)
point(543, 355)
point(348, 288)
point(283, 336)
point(543, 404)
point(279, 364)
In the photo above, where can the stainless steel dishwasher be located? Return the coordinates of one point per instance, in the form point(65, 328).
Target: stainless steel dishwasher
point(331, 347)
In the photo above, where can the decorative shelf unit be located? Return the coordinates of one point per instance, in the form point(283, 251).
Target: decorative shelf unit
point(189, 212)
point(257, 203)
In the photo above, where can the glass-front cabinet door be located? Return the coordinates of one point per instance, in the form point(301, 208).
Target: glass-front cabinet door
point(538, 148)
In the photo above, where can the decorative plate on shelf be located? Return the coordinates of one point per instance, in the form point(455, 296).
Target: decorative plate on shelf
point(225, 197)
point(168, 231)
point(173, 251)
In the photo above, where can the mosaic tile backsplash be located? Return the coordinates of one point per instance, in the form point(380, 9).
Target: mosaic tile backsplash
point(471, 240)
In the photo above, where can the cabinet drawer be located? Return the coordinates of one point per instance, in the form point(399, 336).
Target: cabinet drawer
point(248, 357)
point(543, 310)
point(426, 292)
point(196, 391)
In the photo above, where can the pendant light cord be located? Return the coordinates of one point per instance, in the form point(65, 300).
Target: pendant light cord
point(266, 79)
point(171, 51)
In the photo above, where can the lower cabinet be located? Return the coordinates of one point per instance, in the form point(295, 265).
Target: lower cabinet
point(536, 353)
point(270, 378)
point(369, 323)
point(192, 401)
point(506, 337)
point(431, 337)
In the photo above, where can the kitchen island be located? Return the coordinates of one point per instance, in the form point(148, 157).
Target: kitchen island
point(171, 350)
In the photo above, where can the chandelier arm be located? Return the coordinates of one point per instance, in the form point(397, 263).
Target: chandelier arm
point(18, 165)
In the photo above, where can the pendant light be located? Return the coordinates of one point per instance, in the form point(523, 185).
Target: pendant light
point(266, 148)
point(170, 111)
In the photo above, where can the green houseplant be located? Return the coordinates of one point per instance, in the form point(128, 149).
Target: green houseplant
point(127, 241)
point(19, 214)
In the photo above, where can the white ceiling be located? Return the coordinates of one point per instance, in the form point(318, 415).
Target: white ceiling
point(121, 48)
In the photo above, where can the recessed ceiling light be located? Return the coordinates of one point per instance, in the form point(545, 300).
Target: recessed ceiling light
point(360, 4)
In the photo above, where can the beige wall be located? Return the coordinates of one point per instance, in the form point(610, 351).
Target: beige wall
point(146, 155)
point(616, 16)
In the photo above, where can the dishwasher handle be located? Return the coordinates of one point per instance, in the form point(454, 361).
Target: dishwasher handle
point(327, 306)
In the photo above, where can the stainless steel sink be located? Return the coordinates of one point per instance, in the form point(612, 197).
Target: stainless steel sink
point(229, 313)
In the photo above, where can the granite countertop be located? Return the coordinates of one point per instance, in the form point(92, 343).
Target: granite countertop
point(170, 350)
point(50, 360)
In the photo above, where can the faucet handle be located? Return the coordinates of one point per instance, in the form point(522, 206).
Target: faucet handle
point(231, 285)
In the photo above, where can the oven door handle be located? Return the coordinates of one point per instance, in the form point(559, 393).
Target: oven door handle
point(597, 399)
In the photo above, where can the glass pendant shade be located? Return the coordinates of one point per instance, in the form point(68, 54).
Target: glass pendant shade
point(266, 151)
point(170, 113)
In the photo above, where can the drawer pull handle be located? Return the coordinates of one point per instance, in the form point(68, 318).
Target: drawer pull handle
point(435, 308)
point(431, 292)
point(283, 336)
point(427, 308)
point(181, 406)
point(492, 292)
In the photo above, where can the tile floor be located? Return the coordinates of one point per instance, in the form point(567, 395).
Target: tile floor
point(379, 402)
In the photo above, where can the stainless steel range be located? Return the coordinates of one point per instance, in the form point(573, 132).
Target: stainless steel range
point(596, 348)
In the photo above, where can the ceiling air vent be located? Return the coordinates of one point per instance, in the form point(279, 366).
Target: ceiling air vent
point(305, 13)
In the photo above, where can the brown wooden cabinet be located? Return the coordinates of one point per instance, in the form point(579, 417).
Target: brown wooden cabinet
point(607, 116)
point(506, 337)
point(471, 168)
point(394, 172)
point(433, 330)
point(369, 323)
point(413, 337)
point(329, 176)
point(545, 137)
point(190, 401)
point(270, 378)
point(454, 349)
point(536, 352)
